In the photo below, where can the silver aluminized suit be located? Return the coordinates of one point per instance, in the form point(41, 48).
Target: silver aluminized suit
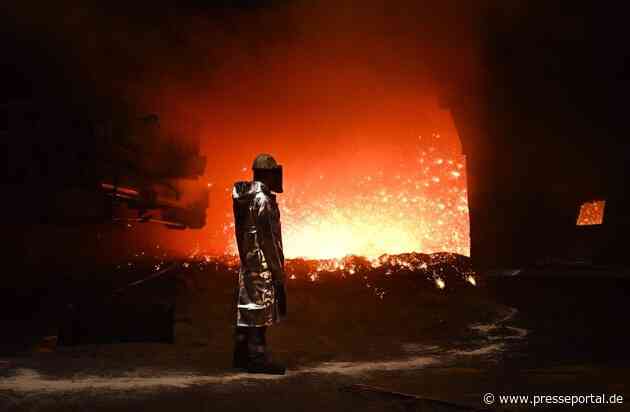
point(261, 297)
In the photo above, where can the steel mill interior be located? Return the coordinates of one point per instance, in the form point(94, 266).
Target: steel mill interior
point(427, 197)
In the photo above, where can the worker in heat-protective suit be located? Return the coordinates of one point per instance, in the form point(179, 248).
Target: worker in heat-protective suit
point(261, 295)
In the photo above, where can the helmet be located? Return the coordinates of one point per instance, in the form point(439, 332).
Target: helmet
point(264, 161)
point(266, 168)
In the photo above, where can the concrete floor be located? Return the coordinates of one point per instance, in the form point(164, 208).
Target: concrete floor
point(543, 332)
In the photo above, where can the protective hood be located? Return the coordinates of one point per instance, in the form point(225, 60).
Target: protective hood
point(268, 170)
point(247, 190)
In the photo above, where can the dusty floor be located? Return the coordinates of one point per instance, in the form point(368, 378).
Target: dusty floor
point(535, 333)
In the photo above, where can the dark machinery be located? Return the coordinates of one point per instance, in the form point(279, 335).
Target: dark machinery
point(71, 173)
point(66, 166)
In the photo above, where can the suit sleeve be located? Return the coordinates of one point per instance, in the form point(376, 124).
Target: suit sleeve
point(237, 230)
point(267, 239)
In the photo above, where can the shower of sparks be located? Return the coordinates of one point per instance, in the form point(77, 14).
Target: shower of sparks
point(420, 206)
point(436, 270)
point(591, 213)
point(367, 230)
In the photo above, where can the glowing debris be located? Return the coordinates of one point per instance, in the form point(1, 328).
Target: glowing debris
point(439, 282)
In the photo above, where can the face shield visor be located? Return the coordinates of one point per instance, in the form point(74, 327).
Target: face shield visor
point(272, 177)
point(276, 180)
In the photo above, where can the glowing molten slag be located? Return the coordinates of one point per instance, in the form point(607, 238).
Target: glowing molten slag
point(421, 206)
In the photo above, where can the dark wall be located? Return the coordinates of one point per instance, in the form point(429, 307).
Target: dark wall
point(544, 130)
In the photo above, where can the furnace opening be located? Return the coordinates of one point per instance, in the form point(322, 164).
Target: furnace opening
point(591, 213)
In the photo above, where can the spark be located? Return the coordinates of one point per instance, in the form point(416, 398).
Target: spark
point(439, 282)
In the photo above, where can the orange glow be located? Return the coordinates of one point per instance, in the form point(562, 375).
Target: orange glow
point(342, 112)
point(439, 282)
point(591, 213)
point(419, 206)
point(341, 108)
point(471, 279)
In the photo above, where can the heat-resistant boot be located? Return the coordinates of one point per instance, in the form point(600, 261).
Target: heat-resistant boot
point(260, 364)
point(259, 360)
point(240, 359)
